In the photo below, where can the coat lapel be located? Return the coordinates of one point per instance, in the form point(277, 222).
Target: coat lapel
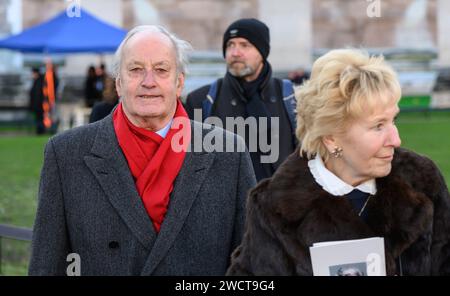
point(110, 168)
point(187, 185)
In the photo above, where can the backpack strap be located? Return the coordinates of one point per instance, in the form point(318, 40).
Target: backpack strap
point(210, 99)
point(289, 101)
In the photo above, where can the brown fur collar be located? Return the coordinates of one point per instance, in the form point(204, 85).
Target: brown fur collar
point(401, 211)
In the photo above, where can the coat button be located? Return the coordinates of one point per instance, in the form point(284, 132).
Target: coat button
point(233, 102)
point(113, 245)
point(273, 99)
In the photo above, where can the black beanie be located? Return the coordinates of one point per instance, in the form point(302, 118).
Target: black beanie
point(256, 32)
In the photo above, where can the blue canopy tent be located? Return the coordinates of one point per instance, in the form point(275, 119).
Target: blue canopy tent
point(64, 34)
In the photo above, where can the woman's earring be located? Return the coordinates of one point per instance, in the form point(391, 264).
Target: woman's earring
point(337, 152)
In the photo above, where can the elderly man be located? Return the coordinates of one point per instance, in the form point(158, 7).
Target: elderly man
point(249, 91)
point(122, 198)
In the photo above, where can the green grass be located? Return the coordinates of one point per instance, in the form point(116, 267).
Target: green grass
point(14, 269)
point(21, 160)
point(428, 134)
point(15, 257)
point(20, 163)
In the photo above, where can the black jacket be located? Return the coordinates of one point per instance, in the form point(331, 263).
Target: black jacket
point(289, 212)
point(101, 110)
point(37, 97)
point(231, 102)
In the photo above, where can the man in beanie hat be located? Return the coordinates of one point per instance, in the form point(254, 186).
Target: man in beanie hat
point(249, 90)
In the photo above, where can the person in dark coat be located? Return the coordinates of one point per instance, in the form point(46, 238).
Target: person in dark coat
point(37, 99)
point(133, 193)
point(109, 101)
point(100, 71)
point(298, 76)
point(91, 93)
point(348, 180)
point(248, 90)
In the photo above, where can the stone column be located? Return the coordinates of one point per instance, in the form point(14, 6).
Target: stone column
point(10, 23)
point(290, 24)
point(443, 27)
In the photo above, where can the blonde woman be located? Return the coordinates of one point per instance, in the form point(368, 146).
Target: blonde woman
point(349, 179)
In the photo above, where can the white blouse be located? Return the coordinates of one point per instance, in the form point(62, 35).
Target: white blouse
point(332, 183)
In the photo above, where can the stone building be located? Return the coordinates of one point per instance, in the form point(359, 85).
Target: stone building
point(300, 29)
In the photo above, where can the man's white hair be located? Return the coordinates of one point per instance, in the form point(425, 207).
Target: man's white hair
point(182, 48)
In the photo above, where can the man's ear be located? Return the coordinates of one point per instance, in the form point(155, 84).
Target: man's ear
point(180, 84)
point(118, 86)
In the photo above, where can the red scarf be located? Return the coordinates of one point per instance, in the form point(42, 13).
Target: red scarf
point(152, 160)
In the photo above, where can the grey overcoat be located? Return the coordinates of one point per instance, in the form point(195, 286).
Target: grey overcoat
point(88, 204)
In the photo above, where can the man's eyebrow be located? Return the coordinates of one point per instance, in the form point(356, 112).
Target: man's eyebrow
point(161, 63)
point(135, 63)
point(138, 63)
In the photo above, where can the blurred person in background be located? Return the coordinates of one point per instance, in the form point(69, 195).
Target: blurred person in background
point(36, 100)
point(298, 76)
point(109, 101)
point(91, 93)
point(51, 97)
point(102, 75)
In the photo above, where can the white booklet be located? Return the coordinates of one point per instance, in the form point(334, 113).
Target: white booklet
point(359, 257)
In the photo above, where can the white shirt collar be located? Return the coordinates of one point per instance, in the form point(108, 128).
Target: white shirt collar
point(332, 183)
point(163, 132)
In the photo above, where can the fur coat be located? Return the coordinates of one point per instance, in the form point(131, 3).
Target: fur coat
point(289, 212)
